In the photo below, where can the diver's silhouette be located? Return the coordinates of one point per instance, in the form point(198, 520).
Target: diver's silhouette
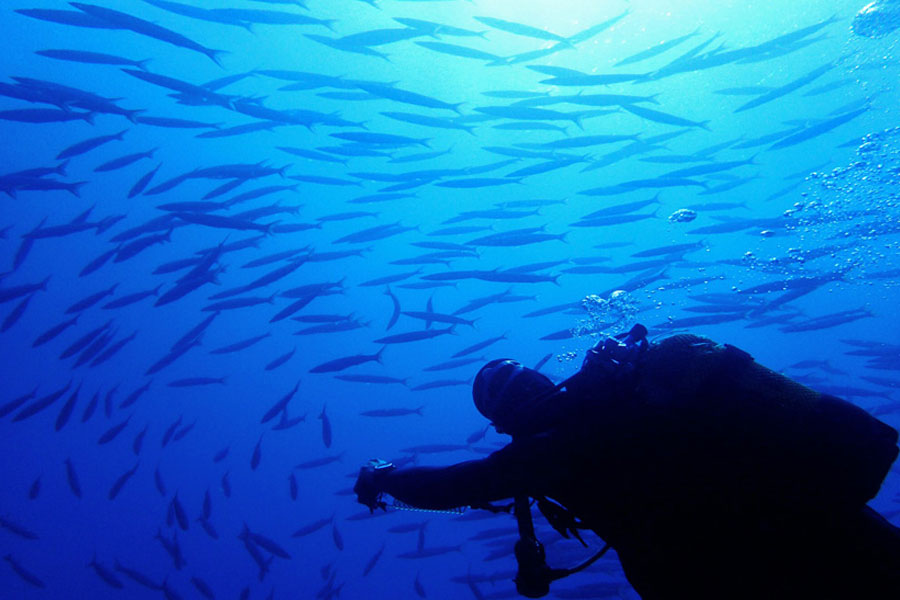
point(711, 476)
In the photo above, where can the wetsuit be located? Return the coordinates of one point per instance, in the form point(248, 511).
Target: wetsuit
point(700, 496)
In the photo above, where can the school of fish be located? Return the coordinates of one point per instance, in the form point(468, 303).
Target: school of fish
point(186, 221)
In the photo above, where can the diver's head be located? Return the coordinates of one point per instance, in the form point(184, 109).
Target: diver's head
point(877, 19)
point(508, 394)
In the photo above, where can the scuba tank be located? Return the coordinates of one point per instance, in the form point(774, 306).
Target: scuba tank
point(808, 448)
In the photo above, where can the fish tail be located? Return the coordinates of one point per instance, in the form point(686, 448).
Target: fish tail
point(75, 188)
point(268, 228)
point(60, 169)
point(214, 55)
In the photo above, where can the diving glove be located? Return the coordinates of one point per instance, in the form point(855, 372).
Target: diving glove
point(368, 489)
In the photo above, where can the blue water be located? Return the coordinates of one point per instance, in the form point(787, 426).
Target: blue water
point(833, 191)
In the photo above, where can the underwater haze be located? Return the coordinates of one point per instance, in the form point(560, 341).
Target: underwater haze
point(247, 245)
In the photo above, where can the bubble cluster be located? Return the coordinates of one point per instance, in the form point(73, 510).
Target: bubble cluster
point(682, 215)
point(606, 316)
point(852, 209)
point(566, 357)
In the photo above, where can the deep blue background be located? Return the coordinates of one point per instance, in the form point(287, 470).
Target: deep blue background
point(71, 531)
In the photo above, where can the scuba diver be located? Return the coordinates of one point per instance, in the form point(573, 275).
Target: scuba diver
point(877, 19)
point(711, 476)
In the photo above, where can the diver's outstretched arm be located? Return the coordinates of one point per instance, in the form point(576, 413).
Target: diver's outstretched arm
point(524, 467)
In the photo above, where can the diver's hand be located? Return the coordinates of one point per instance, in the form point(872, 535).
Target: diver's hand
point(367, 488)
